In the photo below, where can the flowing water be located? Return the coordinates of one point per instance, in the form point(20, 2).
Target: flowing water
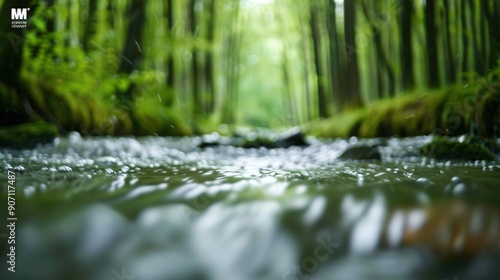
point(163, 208)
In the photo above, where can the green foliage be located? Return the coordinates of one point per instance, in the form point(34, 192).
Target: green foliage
point(27, 134)
point(8, 100)
point(341, 125)
point(151, 118)
point(81, 91)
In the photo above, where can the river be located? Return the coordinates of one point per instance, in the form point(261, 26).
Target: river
point(164, 208)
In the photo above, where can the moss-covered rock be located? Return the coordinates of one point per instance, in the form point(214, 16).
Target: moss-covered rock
point(470, 148)
point(27, 134)
point(407, 115)
point(361, 152)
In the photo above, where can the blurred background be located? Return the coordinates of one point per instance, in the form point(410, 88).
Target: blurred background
point(251, 139)
point(141, 67)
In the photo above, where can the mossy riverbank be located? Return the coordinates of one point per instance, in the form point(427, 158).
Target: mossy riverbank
point(73, 109)
point(470, 108)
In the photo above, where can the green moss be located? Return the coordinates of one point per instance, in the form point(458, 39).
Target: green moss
point(151, 118)
point(444, 148)
point(27, 134)
point(342, 125)
point(448, 111)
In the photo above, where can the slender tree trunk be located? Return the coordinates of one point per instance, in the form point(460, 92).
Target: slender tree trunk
point(170, 57)
point(450, 67)
point(195, 85)
point(232, 59)
point(288, 99)
point(209, 67)
point(465, 36)
point(492, 12)
point(132, 56)
point(90, 25)
point(478, 59)
point(382, 57)
point(352, 96)
point(320, 76)
point(307, 86)
point(334, 54)
point(483, 21)
point(431, 43)
point(406, 44)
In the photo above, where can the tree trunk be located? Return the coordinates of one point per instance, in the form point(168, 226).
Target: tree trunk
point(334, 54)
point(450, 67)
point(478, 58)
point(382, 58)
point(288, 99)
point(352, 97)
point(465, 37)
point(170, 57)
point(209, 68)
point(195, 82)
point(431, 43)
point(90, 24)
point(492, 12)
point(406, 44)
point(131, 57)
point(307, 86)
point(232, 60)
point(320, 76)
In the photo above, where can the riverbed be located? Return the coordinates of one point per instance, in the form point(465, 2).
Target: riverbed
point(164, 208)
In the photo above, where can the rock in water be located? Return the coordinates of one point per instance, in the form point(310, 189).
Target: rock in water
point(287, 139)
point(361, 152)
point(295, 139)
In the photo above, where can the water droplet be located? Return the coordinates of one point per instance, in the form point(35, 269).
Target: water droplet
point(64, 168)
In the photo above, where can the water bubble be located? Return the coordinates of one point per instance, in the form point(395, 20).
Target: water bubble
point(109, 171)
point(422, 180)
point(455, 179)
point(64, 168)
point(74, 137)
point(459, 189)
point(19, 168)
point(29, 191)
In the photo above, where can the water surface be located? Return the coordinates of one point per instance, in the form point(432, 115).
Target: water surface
point(162, 208)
